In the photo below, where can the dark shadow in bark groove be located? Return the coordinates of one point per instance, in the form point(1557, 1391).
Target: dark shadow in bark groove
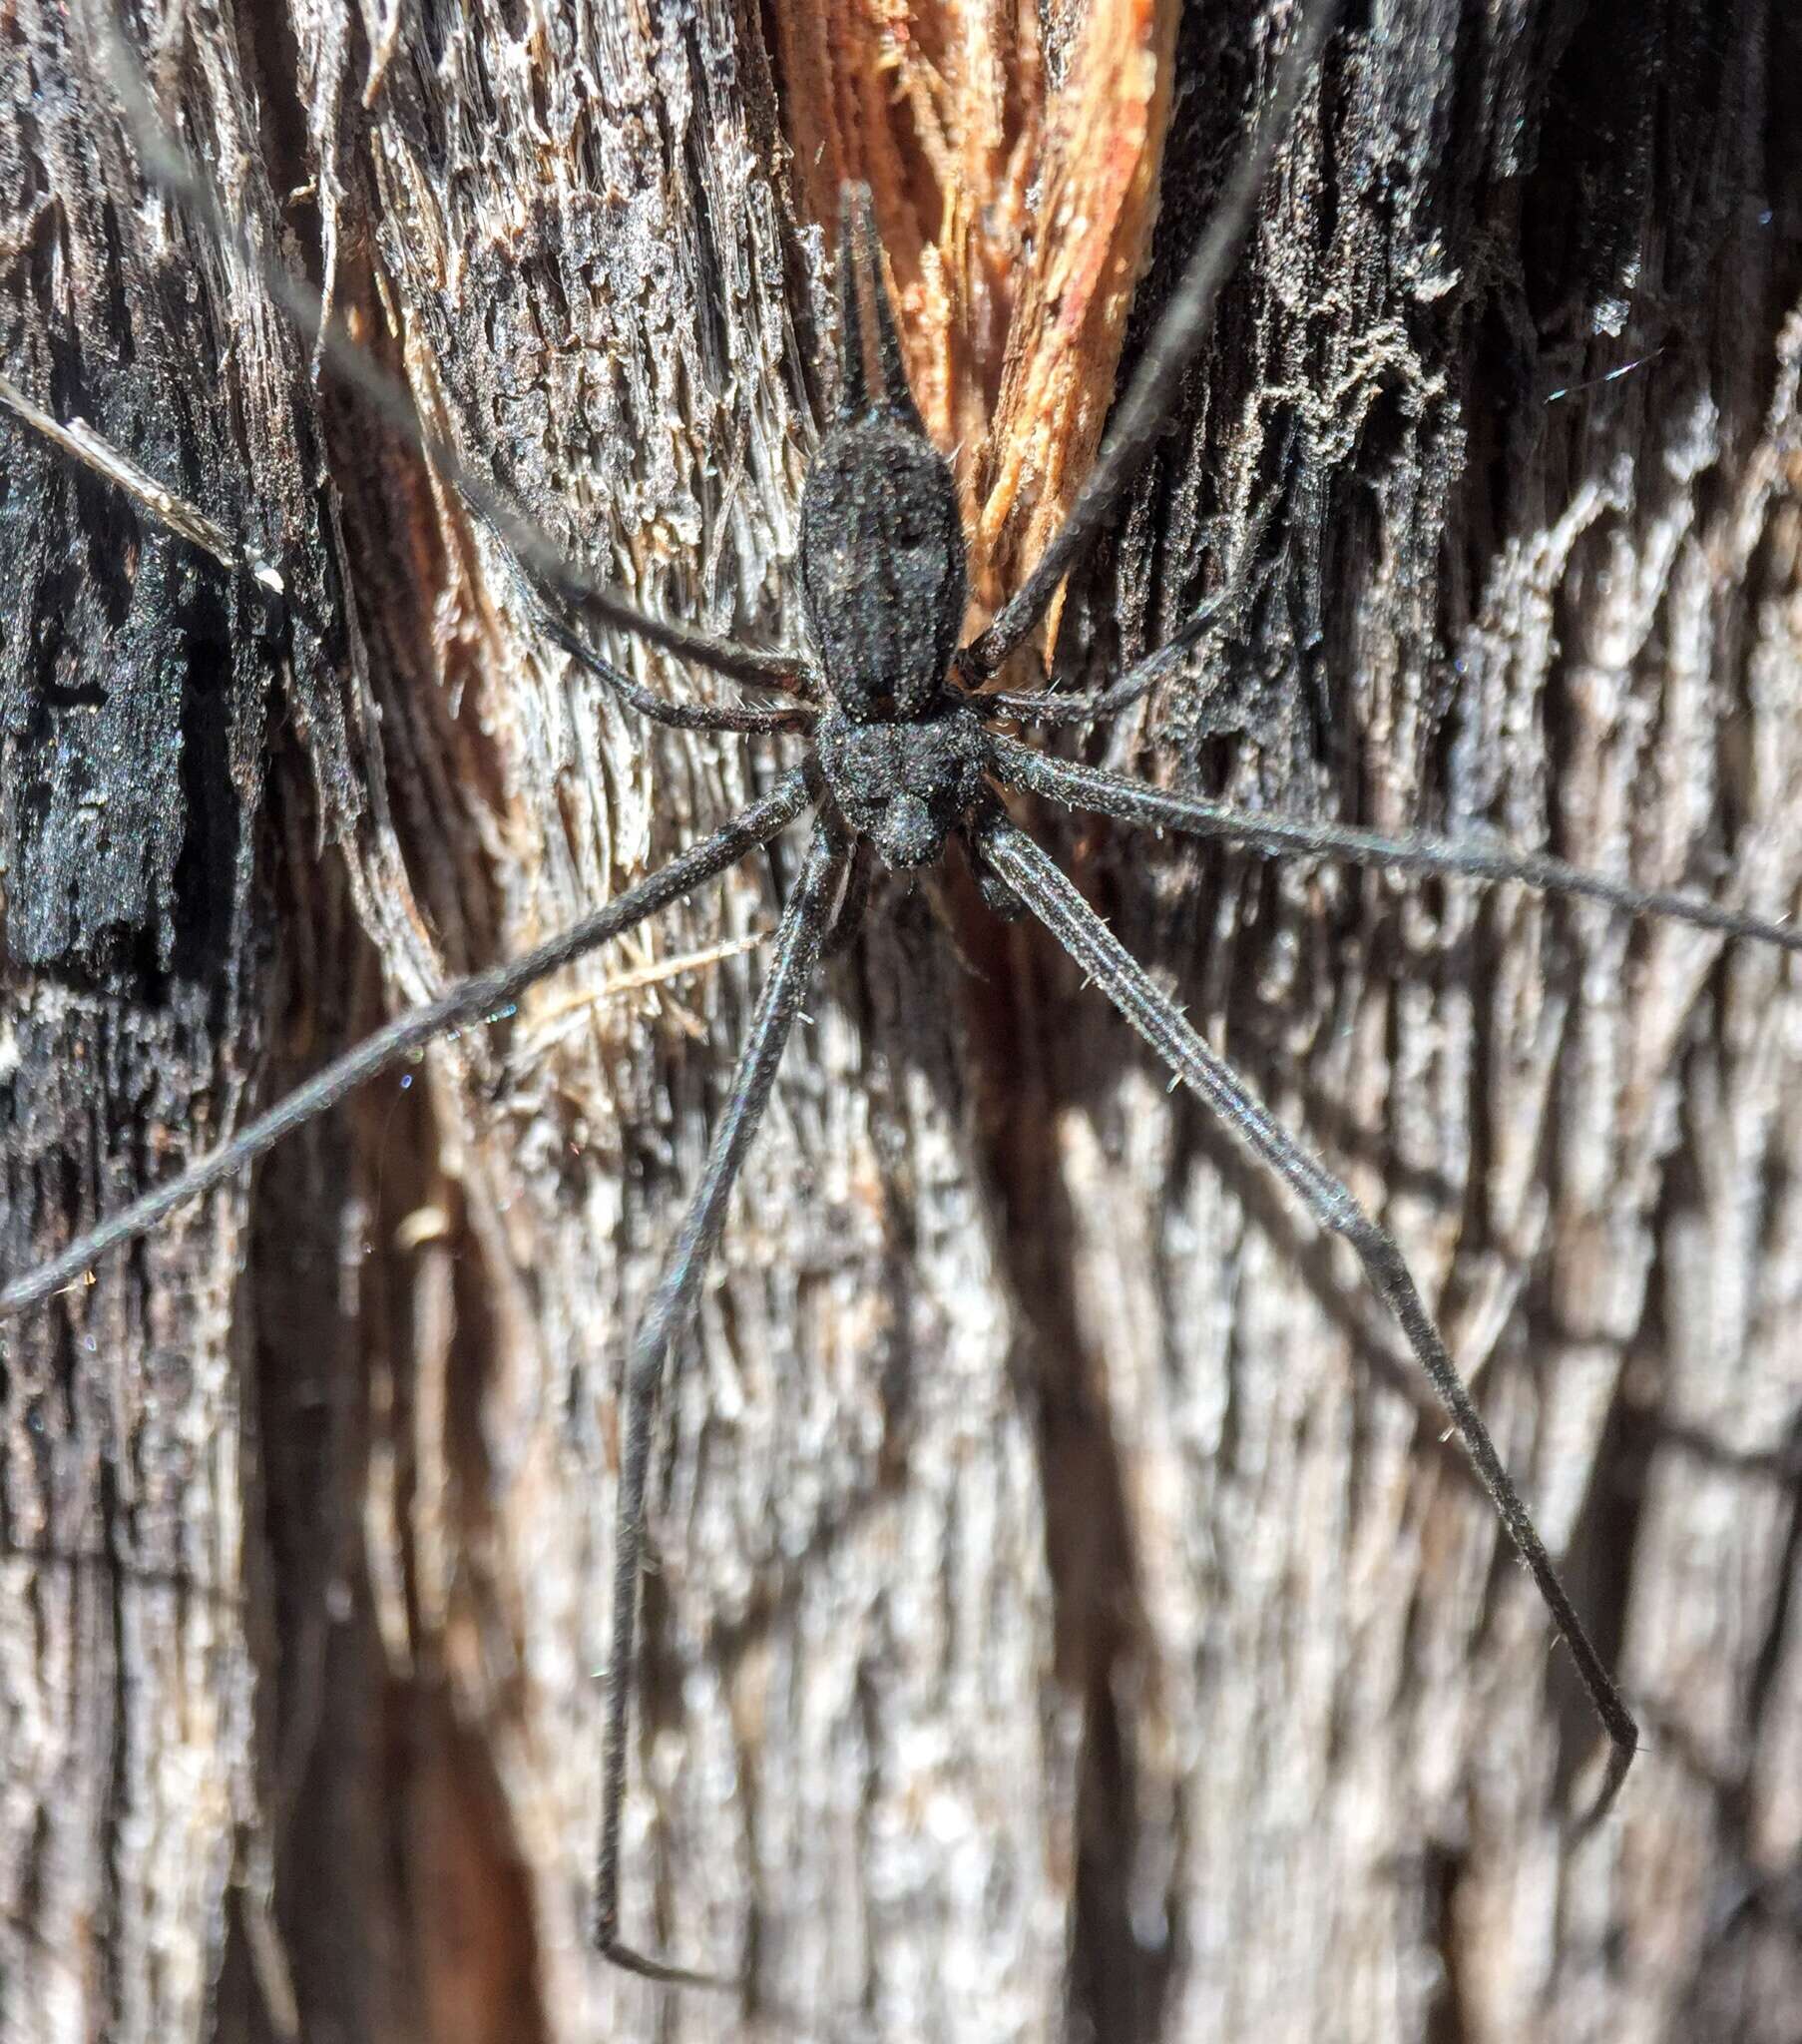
point(1115, 1982)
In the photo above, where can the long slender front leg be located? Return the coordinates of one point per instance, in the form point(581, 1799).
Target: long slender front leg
point(798, 942)
point(1156, 808)
point(462, 1003)
point(1047, 891)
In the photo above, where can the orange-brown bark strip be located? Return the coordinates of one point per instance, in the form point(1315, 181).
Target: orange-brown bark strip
point(1015, 216)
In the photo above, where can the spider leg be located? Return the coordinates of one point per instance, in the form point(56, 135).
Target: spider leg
point(1134, 801)
point(465, 1001)
point(167, 167)
point(860, 265)
point(676, 716)
point(1044, 705)
point(1047, 705)
point(79, 442)
point(1175, 340)
point(1051, 896)
point(798, 941)
point(185, 522)
point(854, 385)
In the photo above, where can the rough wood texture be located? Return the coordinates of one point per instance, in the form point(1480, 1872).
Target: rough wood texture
point(1067, 1622)
point(137, 692)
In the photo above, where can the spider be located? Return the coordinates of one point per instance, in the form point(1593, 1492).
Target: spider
point(902, 763)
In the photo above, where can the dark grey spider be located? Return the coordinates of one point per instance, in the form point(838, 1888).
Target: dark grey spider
point(901, 758)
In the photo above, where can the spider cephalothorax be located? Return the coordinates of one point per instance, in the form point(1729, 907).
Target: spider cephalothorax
point(905, 785)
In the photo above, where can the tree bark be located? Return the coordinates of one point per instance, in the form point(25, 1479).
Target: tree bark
point(1067, 1620)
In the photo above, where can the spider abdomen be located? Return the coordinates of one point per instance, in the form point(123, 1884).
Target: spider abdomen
point(882, 567)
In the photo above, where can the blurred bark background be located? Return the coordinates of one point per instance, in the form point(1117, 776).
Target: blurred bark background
point(1067, 1622)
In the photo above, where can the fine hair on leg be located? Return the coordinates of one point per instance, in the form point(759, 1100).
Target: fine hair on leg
point(1136, 801)
point(1049, 894)
point(797, 949)
point(464, 1002)
point(748, 718)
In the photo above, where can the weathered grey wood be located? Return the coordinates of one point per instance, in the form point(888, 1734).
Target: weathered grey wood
point(137, 692)
point(1065, 1620)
